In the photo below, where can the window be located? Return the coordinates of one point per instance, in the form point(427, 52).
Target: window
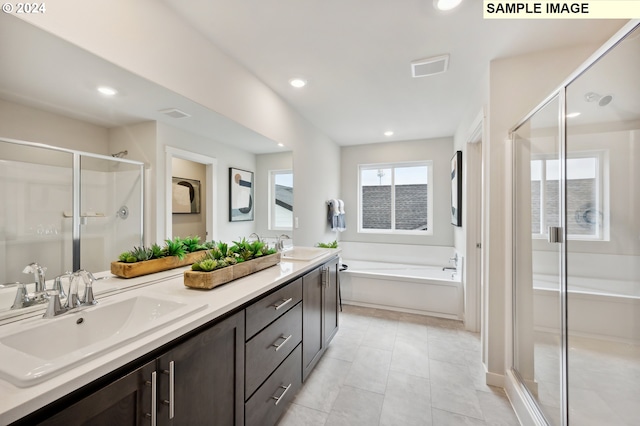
point(586, 213)
point(396, 198)
point(281, 200)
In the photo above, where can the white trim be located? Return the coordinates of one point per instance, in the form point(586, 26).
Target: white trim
point(472, 175)
point(210, 187)
point(520, 402)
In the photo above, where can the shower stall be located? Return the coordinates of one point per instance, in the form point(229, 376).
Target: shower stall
point(576, 239)
point(65, 209)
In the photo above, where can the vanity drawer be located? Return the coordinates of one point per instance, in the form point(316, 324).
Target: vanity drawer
point(270, 347)
point(270, 307)
point(266, 406)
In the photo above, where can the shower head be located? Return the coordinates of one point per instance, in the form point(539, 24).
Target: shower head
point(120, 154)
point(602, 100)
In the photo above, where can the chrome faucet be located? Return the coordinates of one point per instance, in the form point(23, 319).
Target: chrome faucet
point(254, 235)
point(38, 271)
point(73, 301)
point(280, 242)
point(22, 299)
point(25, 299)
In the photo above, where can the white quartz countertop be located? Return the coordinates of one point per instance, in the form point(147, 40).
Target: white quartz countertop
point(16, 402)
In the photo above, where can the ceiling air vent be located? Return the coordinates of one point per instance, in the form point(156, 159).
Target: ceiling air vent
point(429, 66)
point(174, 113)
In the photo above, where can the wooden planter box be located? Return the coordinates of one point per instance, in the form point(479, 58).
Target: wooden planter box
point(131, 270)
point(209, 280)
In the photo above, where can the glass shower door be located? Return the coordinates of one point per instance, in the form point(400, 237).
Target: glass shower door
point(110, 210)
point(537, 297)
point(35, 216)
point(603, 243)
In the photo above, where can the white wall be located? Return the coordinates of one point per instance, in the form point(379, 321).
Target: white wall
point(33, 125)
point(439, 151)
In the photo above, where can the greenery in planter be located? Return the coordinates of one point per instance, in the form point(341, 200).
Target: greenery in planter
point(333, 244)
point(177, 247)
point(223, 255)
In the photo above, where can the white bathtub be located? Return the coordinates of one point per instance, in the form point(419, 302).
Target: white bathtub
point(426, 290)
point(600, 309)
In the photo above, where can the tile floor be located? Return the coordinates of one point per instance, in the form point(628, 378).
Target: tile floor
point(390, 368)
point(603, 378)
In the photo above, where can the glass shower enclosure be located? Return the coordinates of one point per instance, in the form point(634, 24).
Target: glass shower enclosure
point(576, 239)
point(65, 210)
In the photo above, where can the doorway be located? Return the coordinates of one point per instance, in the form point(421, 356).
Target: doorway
point(181, 161)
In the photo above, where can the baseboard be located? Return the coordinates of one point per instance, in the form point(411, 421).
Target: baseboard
point(397, 309)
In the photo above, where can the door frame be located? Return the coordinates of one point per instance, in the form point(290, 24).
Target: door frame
point(473, 234)
point(210, 188)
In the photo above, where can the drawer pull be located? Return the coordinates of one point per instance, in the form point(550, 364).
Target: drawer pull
point(154, 408)
point(286, 339)
point(284, 302)
point(286, 389)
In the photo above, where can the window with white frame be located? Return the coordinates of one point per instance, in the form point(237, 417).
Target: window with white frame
point(396, 198)
point(281, 200)
point(587, 215)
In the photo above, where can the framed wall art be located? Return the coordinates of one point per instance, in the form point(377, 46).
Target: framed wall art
point(185, 194)
point(240, 195)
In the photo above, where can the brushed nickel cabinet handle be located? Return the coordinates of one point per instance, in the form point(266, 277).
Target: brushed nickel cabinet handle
point(171, 401)
point(278, 398)
point(154, 399)
point(286, 339)
point(284, 302)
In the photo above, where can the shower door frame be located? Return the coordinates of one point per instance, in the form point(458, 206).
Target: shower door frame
point(77, 185)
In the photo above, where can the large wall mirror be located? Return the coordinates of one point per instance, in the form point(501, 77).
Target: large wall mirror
point(47, 83)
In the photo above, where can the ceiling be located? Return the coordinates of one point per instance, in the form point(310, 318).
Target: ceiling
point(356, 55)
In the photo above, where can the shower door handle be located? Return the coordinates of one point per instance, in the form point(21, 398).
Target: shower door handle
point(555, 234)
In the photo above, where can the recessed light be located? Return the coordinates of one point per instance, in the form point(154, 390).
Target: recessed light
point(388, 133)
point(281, 145)
point(107, 91)
point(573, 114)
point(446, 4)
point(298, 82)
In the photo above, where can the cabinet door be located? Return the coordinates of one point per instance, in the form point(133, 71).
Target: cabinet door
point(312, 339)
point(206, 373)
point(331, 299)
point(127, 401)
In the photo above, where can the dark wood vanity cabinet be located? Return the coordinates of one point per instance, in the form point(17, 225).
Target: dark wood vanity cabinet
point(320, 313)
point(123, 402)
point(198, 382)
point(242, 370)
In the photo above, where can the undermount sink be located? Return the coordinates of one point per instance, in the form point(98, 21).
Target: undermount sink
point(38, 349)
point(303, 253)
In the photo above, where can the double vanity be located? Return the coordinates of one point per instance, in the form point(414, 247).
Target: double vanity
point(155, 352)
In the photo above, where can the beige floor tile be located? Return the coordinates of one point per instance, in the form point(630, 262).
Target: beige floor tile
point(356, 407)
